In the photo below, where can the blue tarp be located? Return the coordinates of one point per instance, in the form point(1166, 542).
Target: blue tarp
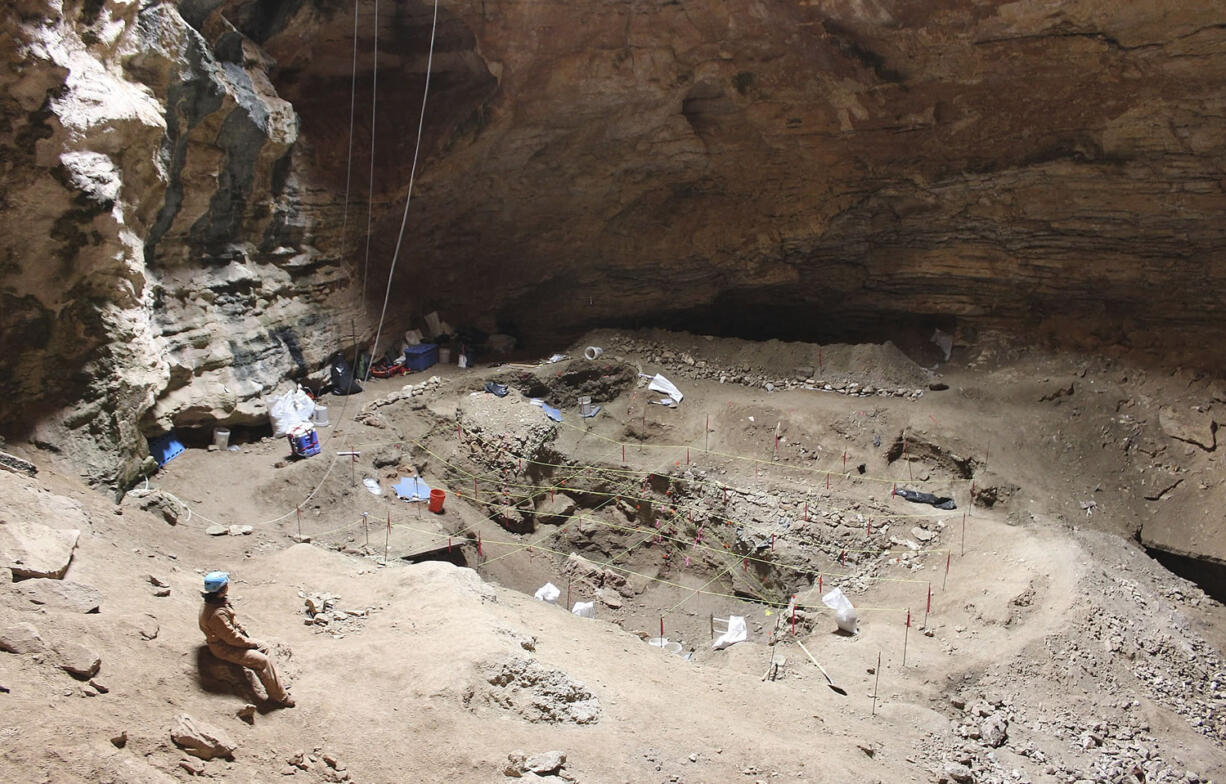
point(412, 488)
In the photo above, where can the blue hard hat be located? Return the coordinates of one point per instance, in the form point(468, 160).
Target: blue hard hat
point(215, 581)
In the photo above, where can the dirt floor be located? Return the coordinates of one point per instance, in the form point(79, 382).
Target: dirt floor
point(1044, 644)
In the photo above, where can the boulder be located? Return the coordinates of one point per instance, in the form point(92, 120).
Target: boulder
point(549, 763)
point(21, 638)
point(1189, 425)
point(513, 519)
point(994, 730)
point(32, 549)
point(609, 598)
point(77, 660)
point(546, 764)
point(61, 594)
point(201, 740)
point(158, 502)
point(556, 510)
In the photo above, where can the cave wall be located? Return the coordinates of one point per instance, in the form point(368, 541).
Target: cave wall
point(178, 241)
point(156, 272)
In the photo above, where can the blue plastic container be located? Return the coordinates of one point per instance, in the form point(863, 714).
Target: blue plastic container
point(165, 448)
point(421, 356)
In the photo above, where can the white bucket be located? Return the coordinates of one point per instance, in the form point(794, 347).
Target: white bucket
point(320, 416)
point(444, 356)
point(591, 352)
point(665, 644)
point(585, 405)
point(221, 437)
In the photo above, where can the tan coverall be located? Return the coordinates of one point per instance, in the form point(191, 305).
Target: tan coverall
point(228, 641)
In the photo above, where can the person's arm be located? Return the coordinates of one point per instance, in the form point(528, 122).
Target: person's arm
point(228, 631)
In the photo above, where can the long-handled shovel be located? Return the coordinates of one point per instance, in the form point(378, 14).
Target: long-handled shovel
point(833, 687)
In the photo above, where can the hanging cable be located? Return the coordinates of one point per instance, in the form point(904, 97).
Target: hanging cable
point(421, 121)
point(370, 193)
point(353, 94)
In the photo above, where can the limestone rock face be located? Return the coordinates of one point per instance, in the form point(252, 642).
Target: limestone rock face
point(153, 275)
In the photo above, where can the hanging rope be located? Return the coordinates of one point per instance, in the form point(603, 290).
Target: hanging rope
point(370, 192)
point(353, 94)
point(421, 121)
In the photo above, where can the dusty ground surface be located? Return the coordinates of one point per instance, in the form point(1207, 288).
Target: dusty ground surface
point(1054, 650)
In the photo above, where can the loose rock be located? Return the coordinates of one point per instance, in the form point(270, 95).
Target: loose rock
point(21, 638)
point(548, 764)
point(159, 502)
point(77, 660)
point(61, 594)
point(201, 740)
point(34, 550)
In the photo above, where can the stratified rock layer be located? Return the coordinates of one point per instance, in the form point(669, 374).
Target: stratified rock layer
point(154, 275)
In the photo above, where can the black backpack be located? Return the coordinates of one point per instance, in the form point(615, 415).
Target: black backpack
point(343, 381)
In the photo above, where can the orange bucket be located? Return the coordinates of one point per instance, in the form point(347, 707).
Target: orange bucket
point(436, 500)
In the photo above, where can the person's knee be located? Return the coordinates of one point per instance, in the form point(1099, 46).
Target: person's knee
point(258, 661)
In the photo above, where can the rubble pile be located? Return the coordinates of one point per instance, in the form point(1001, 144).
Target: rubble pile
point(989, 729)
point(369, 415)
point(1180, 670)
point(683, 364)
point(320, 764)
point(536, 693)
point(326, 617)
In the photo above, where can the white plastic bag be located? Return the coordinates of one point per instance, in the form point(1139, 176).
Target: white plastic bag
point(737, 632)
point(292, 408)
point(844, 611)
point(547, 593)
point(661, 384)
point(584, 609)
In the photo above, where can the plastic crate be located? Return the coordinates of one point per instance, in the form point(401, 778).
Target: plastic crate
point(165, 448)
point(421, 356)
